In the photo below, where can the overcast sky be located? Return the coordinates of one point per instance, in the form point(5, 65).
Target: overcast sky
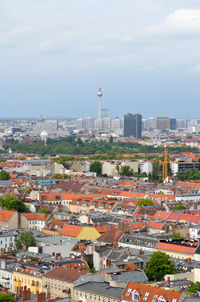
point(53, 53)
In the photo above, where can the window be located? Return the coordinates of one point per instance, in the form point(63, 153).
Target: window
point(44, 197)
point(135, 296)
point(155, 298)
point(57, 197)
point(161, 299)
point(128, 292)
point(146, 296)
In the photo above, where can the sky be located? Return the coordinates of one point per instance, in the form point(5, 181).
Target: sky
point(54, 54)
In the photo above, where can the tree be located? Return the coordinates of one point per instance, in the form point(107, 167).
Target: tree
point(44, 210)
point(156, 169)
point(144, 202)
point(126, 171)
point(176, 235)
point(158, 266)
point(26, 239)
point(7, 298)
point(194, 288)
point(179, 207)
point(10, 202)
point(96, 167)
point(4, 175)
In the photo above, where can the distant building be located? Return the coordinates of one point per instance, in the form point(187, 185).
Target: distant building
point(50, 126)
point(104, 113)
point(133, 125)
point(163, 123)
point(173, 124)
point(150, 123)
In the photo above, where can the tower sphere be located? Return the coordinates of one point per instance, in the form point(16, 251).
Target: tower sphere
point(99, 93)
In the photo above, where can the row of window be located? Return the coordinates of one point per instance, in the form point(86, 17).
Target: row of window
point(29, 282)
point(55, 286)
point(93, 297)
point(7, 239)
point(37, 222)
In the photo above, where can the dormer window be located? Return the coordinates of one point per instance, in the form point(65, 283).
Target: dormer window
point(161, 299)
point(135, 296)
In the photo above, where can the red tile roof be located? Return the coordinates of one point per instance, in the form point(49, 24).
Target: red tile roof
point(71, 230)
point(176, 248)
point(148, 293)
point(111, 236)
point(36, 216)
point(5, 215)
point(64, 274)
point(161, 215)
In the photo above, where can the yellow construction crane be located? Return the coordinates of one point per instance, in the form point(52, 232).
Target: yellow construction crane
point(165, 165)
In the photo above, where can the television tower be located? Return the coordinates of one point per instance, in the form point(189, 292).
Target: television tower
point(99, 94)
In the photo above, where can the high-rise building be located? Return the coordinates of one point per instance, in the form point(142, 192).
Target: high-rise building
point(105, 113)
point(133, 125)
point(150, 123)
point(163, 123)
point(181, 123)
point(172, 123)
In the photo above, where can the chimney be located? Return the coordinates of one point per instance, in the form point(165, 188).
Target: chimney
point(28, 294)
point(168, 280)
point(24, 296)
point(89, 219)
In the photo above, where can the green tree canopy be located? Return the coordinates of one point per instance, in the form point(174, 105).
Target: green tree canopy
point(10, 202)
point(179, 207)
point(44, 210)
point(96, 167)
point(26, 239)
point(156, 169)
point(7, 298)
point(144, 202)
point(4, 175)
point(194, 288)
point(176, 235)
point(189, 175)
point(158, 266)
point(125, 170)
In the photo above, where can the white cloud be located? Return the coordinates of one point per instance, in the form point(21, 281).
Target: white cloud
point(179, 22)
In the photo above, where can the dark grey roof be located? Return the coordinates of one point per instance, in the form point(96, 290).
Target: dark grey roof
point(134, 276)
point(102, 289)
point(191, 299)
point(141, 240)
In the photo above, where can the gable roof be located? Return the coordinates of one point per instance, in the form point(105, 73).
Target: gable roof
point(111, 236)
point(64, 274)
point(6, 215)
point(148, 293)
point(36, 216)
point(70, 230)
point(176, 248)
point(88, 233)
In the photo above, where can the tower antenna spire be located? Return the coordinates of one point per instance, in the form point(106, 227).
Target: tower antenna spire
point(99, 94)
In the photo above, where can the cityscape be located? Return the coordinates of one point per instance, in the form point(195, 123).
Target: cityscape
point(99, 183)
